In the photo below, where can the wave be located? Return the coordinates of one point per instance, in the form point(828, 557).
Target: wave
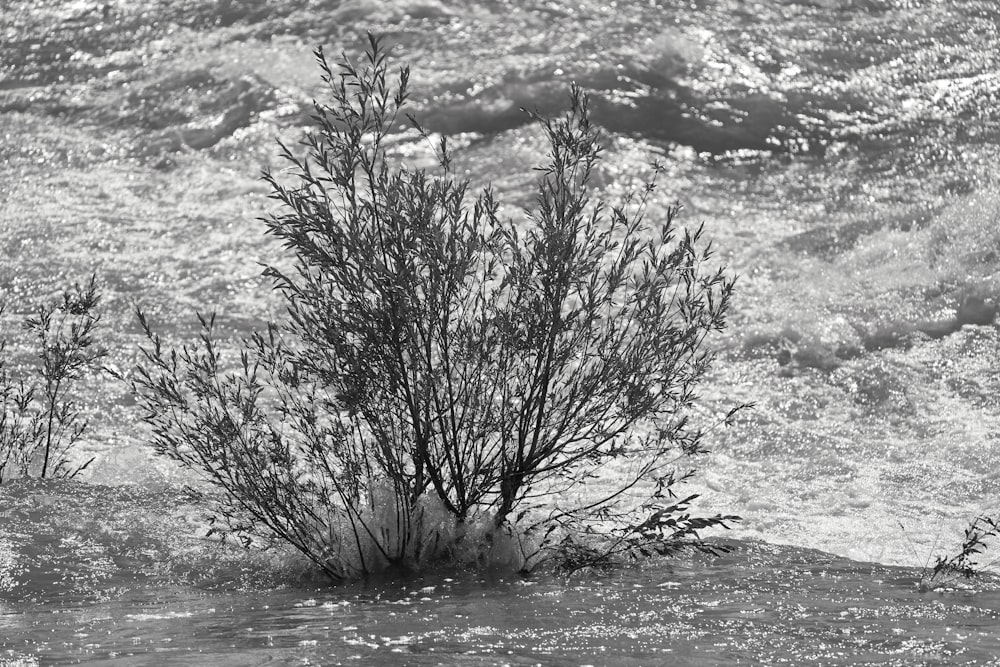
point(74, 541)
point(634, 101)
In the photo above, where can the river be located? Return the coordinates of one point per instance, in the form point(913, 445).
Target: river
point(843, 156)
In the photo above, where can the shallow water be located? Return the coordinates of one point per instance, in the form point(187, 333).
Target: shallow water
point(86, 576)
point(842, 154)
point(727, 613)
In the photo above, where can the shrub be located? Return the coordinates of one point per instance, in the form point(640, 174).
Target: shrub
point(963, 563)
point(447, 381)
point(39, 421)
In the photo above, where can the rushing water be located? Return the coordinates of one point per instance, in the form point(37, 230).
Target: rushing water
point(842, 154)
point(87, 577)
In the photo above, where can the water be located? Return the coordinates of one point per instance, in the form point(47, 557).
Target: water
point(88, 576)
point(842, 154)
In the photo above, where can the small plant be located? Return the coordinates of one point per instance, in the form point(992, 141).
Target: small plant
point(664, 532)
point(963, 564)
point(449, 383)
point(40, 422)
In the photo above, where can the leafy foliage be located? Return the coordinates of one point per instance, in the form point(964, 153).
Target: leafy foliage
point(39, 421)
point(449, 383)
point(963, 563)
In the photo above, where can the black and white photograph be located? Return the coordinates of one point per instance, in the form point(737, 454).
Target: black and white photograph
point(494, 333)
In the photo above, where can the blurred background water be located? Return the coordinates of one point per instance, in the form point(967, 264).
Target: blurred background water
point(842, 155)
